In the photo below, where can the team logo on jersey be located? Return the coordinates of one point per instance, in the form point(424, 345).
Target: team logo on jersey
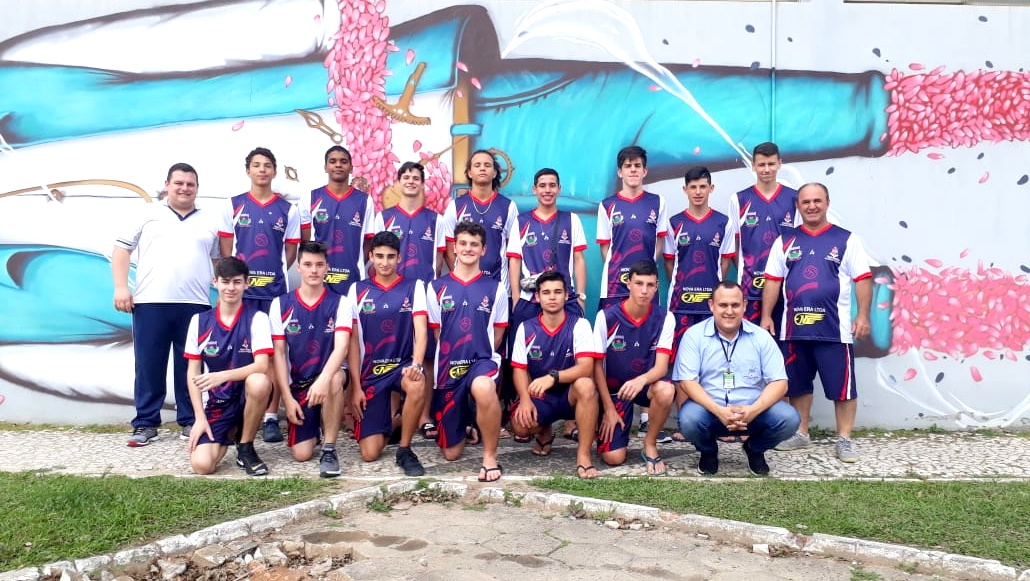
point(257, 281)
point(793, 251)
point(405, 306)
point(396, 230)
point(808, 318)
point(788, 220)
point(292, 327)
point(458, 371)
point(356, 220)
point(498, 224)
point(243, 219)
point(716, 240)
point(446, 301)
point(652, 218)
point(751, 219)
point(618, 343)
point(330, 326)
point(564, 237)
point(683, 239)
point(321, 215)
point(615, 216)
point(484, 305)
point(691, 297)
point(428, 234)
point(531, 239)
point(245, 346)
point(368, 306)
point(834, 255)
point(535, 352)
point(279, 225)
point(211, 348)
point(383, 368)
point(336, 277)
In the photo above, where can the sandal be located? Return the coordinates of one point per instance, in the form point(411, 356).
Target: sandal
point(521, 439)
point(486, 473)
point(651, 464)
point(429, 431)
point(573, 435)
point(544, 447)
point(584, 472)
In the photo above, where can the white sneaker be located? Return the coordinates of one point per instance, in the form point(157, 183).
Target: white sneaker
point(795, 442)
point(846, 451)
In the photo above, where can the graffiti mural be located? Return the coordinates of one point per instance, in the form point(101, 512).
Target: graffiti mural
point(923, 143)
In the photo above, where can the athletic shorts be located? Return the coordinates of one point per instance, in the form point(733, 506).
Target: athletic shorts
point(553, 406)
point(378, 413)
point(452, 403)
point(620, 437)
point(311, 427)
point(753, 312)
point(684, 321)
point(834, 362)
point(226, 420)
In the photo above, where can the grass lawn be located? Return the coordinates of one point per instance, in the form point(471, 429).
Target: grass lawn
point(55, 517)
point(988, 520)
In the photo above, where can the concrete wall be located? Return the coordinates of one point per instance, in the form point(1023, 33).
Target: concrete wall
point(916, 116)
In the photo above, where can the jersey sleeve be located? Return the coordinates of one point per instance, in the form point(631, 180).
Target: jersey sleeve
point(432, 306)
point(293, 225)
point(345, 313)
point(418, 306)
point(733, 224)
point(511, 225)
point(663, 218)
point(669, 243)
point(514, 249)
point(601, 334)
point(128, 237)
point(668, 332)
point(579, 237)
point(304, 208)
point(445, 226)
point(583, 344)
point(352, 302)
point(275, 320)
point(518, 349)
point(855, 262)
point(728, 248)
point(192, 350)
point(776, 264)
point(604, 227)
point(261, 334)
point(368, 224)
point(499, 315)
point(380, 223)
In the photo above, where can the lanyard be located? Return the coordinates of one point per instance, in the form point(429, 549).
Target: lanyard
point(729, 353)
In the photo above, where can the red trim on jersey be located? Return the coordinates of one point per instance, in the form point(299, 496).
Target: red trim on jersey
point(691, 217)
point(395, 282)
point(501, 324)
point(805, 229)
point(493, 196)
point(225, 234)
point(731, 255)
point(668, 256)
point(448, 239)
point(514, 255)
point(433, 325)
point(260, 203)
point(517, 365)
point(349, 191)
point(779, 188)
point(348, 329)
point(420, 314)
point(370, 235)
point(774, 278)
point(579, 248)
point(663, 350)
point(265, 351)
point(236, 317)
point(191, 356)
point(619, 195)
point(543, 220)
point(589, 354)
point(293, 240)
point(604, 240)
point(549, 332)
point(306, 226)
point(863, 276)
point(411, 215)
point(454, 276)
point(313, 306)
point(637, 322)
point(278, 337)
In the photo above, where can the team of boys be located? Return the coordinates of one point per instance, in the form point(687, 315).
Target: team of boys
point(339, 327)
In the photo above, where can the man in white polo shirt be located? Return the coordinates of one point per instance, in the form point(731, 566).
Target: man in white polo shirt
point(175, 243)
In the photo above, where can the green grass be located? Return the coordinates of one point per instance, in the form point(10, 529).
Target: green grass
point(56, 517)
point(986, 520)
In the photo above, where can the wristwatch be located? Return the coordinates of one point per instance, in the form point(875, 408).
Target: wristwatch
point(419, 367)
point(581, 296)
point(554, 375)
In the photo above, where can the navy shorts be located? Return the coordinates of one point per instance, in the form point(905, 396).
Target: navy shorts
point(620, 438)
point(834, 362)
point(553, 406)
point(226, 420)
point(452, 403)
point(310, 428)
point(378, 409)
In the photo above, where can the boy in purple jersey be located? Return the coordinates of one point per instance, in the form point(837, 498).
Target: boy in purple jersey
point(629, 226)
point(483, 205)
point(311, 332)
point(634, 341)
point(228, 349)
point(416, 226)
point(341, 217)
point(386, 357)
point(266, 227)
point(468, 313)
point(695, 249)
point(553, 361)
point(815, 266)
point(758, 215)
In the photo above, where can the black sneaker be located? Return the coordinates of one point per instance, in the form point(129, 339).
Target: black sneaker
point(142, 435)
point(408, 462)
point(270, 431)
point(708, 464)
point(756, 461)
point(247, 458)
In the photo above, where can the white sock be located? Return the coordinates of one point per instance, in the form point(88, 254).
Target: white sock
point(643, 417)
point(273, 417)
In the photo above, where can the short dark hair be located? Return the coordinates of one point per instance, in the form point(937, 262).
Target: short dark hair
point(230, 267)
point(727, 284)
point(183, 167)
point(409, 165)
point(551, 276)
point(546, 172)
point(469, 227)
point(698, 172)
point(631, 152)
point(496, 185)
point(339, 148)
point(825, 189)
point(645, 267)
point(261, 151)
point(385, 238)
point(312, 247)
point(768, 148)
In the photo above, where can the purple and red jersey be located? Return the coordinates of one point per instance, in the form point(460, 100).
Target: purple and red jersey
point(342, 222)
point(417, 233)
point(817, 269)
point(632, 227)
point(466, 313)
point(696, 245)
point(498, 215)
point(628, 346)
point(223, 345)
point(755, 223)
point(540, 350)
point(309, 330)
point(262, 232)
point(536, 238)
point(384, 317)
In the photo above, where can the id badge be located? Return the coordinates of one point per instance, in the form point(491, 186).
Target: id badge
point(727, 380)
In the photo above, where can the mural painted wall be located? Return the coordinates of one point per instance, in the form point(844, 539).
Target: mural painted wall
point(922, 140)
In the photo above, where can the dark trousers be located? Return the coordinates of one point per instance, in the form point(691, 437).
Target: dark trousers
point(156, 327)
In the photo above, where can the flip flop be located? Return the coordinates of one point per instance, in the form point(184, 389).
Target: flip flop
point(652, 463)
point(429, 431)
point(521, 439)
point(573, 435)
point(582, 471)
point(545, 447)
point(487, 471)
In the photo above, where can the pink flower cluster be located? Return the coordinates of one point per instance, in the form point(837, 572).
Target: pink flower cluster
point(960, 313)
point(357, 71)
point(438, 182)
point(958, 109)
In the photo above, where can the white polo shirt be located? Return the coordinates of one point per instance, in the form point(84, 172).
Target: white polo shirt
point(173, 254)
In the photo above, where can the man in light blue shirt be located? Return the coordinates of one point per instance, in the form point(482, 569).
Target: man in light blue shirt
point(733, 372)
